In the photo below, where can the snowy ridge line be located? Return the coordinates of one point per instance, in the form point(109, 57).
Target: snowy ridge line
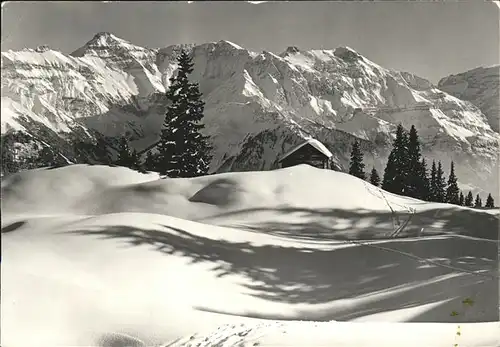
point(410, 255)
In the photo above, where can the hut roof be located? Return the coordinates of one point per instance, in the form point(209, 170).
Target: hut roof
point(313, 142)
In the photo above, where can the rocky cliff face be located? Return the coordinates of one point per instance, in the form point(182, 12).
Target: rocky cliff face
point(258, 105)
point(481, 87)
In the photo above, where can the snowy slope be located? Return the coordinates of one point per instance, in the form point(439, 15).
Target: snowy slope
point(100, 256)
point(480, 86)
point(258, 105)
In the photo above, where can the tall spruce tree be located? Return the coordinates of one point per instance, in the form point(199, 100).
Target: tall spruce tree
point(490, 202)
point(478, 203)
point(452, 190)
point(469, 200)
point(414, 180)
point(433, 183)
point(374, 177)
point(396, 170)
point(182, 150)
point(389, 173)
point(356, 166)
point(423, 187)
point(440, 184)
point(461, 199)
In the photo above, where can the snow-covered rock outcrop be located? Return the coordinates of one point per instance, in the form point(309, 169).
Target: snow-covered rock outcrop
point(258, 105)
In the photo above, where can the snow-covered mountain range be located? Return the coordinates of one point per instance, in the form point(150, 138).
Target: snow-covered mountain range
point(258, 105)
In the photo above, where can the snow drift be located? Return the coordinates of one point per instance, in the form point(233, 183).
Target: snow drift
point(93, 255)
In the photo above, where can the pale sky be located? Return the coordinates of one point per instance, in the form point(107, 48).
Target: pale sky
point(429, 39)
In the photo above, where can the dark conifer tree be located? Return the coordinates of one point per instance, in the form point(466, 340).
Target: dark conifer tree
point(423, 187)
point(461, 199)
point(182, 150)
point(374, 177)
point(151, 161)
point(396, 171)
point(356, 165)
point(478, 203)
point(101, 151)
point(490, 202)
point(135, 161)
point(433, 183)
point(452, 190)
point(124, 153)
point(440, 184)
point(389, 173)
point(469, 200)
point(127, 157)
point(414, 181)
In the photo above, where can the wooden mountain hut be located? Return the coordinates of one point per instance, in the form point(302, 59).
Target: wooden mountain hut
point(311, 152)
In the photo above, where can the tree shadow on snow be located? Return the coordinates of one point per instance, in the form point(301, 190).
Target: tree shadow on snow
point(13, 227)
point(312, 276)
point(335, 224)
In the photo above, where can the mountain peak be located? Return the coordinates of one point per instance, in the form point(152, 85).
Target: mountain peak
point(103, 40)
point(292, 49)
point(229, 43)
point(42, 48)
point(347, 53)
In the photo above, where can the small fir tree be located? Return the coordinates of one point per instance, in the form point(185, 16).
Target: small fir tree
point(356, 166)
point(374, 177)
point(478, 202)
point(101, 153)
point(461, 199)
point(123, 152)
point(469, 200)
point(150, 162)
point(135, 161)
point(127, 157)
point(490, 202)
